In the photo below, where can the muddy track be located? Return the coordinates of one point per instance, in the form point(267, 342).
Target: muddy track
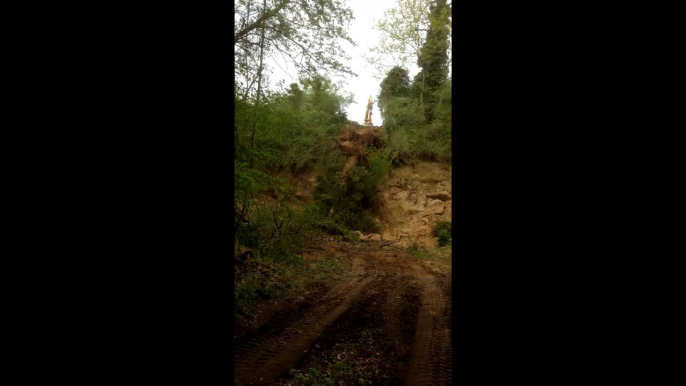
point(260, 358)
point(405, 306)
point(430, 363)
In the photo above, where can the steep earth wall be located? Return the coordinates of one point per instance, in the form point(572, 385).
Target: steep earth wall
point(412, 200)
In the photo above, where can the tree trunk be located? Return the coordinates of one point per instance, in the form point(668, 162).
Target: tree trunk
point(257, 103)
point(421, 91)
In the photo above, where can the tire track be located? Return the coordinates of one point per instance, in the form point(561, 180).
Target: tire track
point(261, 359)
point(393, 309)
point(358, 334)
point(403, 303)
point(430, 360)
point(392, 313)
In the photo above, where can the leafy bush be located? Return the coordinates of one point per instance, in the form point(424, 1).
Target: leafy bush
point(346, 200)
point(412, 134)
point(443, 231)
point(351, 236)
point(289, 129)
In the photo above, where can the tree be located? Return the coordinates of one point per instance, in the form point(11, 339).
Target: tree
point(402, 32)
point(304, 31)
point(295, 96)
point(415, 31)
point(259, 89)
point(395, 85)
point(433, 56)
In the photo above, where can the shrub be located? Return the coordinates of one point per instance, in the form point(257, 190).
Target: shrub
point(345, 200)
point(443, 231)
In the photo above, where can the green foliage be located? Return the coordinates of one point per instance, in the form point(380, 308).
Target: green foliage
point(279, 231)
point(322, 95)
point(335, 371)
point(401, 34)
point(294, 128)
point(351, 236)
point(443, 231)
point(345, 200)
point(394, 98)
point(307, 32)
point(433, 57)
point(414, 247)
point(248, 214)
point(418, 253)
point(296, 97)
point(266, 278)
point(377, 169)
point(412, 135)
point(395, 85)
point(443, 254)
point(417, 115)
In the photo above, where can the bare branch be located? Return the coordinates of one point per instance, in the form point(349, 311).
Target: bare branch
point(260, 21)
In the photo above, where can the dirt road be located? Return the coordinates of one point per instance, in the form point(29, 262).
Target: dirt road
point(388, 322)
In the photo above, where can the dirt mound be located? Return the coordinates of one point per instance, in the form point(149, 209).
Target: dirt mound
point(362, 137)
point(413, 200)
point(354, 140)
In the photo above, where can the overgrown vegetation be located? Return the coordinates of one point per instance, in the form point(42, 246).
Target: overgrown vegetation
point(336, 371)
point(263, 278)
point(417, 129)
point(346, 200)
point(294, 129)
point(443, 231)
point(442, 254)
point(416, 109)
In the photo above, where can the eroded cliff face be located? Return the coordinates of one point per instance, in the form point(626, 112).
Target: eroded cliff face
point(412, 200)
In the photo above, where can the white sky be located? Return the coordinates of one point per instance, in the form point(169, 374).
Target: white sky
point(362, 31)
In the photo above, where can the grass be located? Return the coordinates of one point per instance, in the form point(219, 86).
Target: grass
point(443, 254)
point(331, 375)
point(420, 254)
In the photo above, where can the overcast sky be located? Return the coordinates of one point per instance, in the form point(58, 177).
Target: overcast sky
point(362, 31)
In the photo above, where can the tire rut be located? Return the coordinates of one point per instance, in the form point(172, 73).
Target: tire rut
point(404, 304)
point(261, 359)
point(393, 309)
point(430, 360)
point(345, 339)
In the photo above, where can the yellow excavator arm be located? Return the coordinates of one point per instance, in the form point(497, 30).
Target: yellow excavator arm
point(368, 113)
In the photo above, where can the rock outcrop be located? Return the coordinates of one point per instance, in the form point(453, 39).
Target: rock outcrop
point(413, 200)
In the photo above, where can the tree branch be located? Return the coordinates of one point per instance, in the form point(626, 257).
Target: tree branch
point(258, 23)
